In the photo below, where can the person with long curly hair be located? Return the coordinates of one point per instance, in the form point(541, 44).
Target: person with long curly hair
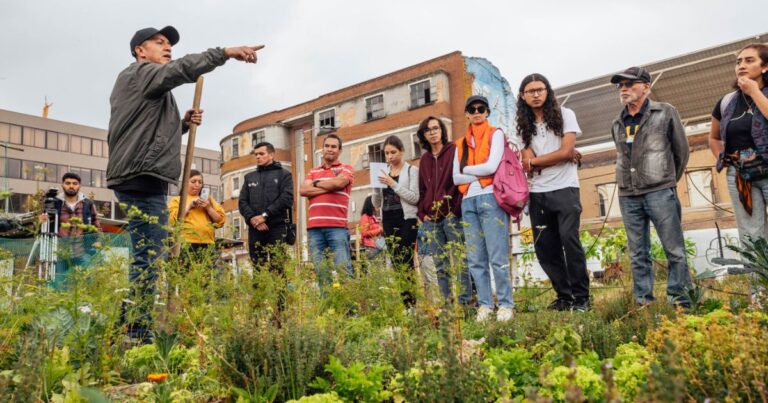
point(739, 139)
point(549, 134)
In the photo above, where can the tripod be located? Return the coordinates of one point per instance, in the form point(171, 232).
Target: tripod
point(48, 243)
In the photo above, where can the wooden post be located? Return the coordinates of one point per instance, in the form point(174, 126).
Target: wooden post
point(188, 163)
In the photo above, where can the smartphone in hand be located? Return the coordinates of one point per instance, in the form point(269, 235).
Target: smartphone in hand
point(205, 193)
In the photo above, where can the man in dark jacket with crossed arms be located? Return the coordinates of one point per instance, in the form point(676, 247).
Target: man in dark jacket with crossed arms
point(265, 202)
point(144, 139)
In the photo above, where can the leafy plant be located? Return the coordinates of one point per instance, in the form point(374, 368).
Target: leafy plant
point(353, 383)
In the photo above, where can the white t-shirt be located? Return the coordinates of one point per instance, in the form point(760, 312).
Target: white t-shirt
point(564, 174)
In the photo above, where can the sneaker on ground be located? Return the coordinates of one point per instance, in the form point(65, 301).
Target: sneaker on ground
point(483, 314)
point(581, 306)
point(504, 314)
point(560, 305)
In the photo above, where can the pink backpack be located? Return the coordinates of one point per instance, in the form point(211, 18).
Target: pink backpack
point(510, 185)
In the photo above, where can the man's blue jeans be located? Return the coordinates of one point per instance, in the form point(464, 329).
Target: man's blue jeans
point(333, 241)
point(439, 241)
point(147, 238)
point(487, 244)
point(662, 208)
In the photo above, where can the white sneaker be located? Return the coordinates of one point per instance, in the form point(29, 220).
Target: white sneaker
point(483, 314)
point(504, 314)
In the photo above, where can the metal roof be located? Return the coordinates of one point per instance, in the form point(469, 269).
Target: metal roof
point(692, 83)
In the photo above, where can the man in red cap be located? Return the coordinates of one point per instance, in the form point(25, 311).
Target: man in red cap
point(144, 139)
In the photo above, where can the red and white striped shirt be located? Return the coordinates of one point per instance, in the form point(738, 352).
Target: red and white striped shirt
point(330, 209)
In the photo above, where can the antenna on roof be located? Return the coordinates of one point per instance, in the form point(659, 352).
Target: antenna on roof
point(46, 107)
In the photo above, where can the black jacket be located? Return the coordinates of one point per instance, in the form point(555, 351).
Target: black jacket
point(145, 127)
point(268, 190)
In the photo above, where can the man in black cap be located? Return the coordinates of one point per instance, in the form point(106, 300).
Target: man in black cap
point(651, 155)
point(144, 138)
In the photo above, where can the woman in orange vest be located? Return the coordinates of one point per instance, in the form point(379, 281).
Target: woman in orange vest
point(478, 155)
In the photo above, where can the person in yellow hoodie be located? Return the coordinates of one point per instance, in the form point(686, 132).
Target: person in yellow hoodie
point(201, 215)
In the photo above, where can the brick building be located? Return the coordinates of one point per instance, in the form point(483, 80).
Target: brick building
point(363, 115)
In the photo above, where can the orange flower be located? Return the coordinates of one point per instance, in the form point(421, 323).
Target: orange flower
point(157, 378)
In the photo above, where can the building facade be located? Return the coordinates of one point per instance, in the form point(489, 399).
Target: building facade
point(35, 152)
point(363, 115)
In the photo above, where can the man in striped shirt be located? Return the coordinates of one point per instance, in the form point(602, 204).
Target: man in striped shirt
point(328, 187)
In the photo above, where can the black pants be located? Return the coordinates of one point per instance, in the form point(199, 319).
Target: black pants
point(261, 246)
point(555, 218)
point(401, 237)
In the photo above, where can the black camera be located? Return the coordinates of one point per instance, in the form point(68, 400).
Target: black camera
point(50, 201)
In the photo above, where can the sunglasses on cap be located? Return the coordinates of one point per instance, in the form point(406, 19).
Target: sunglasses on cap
point(476, 109)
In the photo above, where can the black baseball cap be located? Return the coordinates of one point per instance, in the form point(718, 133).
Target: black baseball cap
point(632, 73)
point(477, 98)
point(143, 34)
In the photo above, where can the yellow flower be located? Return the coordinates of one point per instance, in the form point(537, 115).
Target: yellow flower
point(157, 377)
point(336, 285)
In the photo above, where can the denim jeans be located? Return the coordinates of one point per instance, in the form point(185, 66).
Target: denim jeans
point(487, 244)
point(438, 241)
point(334, 241)
point(661, 207)
point(147, 239)
point(755, 225)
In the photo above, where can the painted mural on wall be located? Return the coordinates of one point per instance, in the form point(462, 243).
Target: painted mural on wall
point(490, 83)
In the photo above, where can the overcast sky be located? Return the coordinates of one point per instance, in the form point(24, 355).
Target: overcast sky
point(71, 51)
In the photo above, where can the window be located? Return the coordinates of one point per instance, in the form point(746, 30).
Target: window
point(14, 168)
point(328, 119)
point(235, 227)
point(32, 170)
point(375, 154)
point(15, 134)
point(63, 142)
point(52, 173)
point(374, 107)
point(52, 142)
point(257, 137)
point(235, 148)
point(5, 132)
point(39, 138)
point(97, 148)
point(86, 146)
point(607, 198)
point(99, 178)
point(700, 188)
point(197, 163)
point(207, 165)
point(75, 144)
point(421, 94)
point(235, 184)
point(28, 138)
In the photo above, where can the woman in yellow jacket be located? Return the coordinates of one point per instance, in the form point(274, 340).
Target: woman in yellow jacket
point(201, 216)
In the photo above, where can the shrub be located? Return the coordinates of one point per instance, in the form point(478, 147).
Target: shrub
point(720, 355)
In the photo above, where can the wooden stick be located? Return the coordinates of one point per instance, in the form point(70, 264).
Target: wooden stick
point(188, 162)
